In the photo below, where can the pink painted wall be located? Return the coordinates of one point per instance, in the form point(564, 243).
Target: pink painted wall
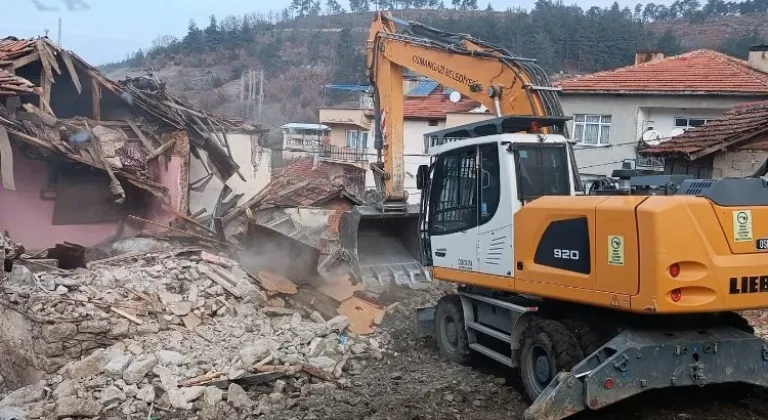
point(168, 171)
point(173, 173)
point(28, 218)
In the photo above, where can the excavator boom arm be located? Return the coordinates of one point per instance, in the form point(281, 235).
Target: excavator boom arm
point(506, 84)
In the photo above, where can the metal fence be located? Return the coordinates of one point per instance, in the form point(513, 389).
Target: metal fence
point(347, 154)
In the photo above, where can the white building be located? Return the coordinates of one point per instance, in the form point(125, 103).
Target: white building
point(658, 97)
point(427, 108)
point(301, 139)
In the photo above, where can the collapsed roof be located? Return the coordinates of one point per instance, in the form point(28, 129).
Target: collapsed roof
point(743, 127)
point(137, 116)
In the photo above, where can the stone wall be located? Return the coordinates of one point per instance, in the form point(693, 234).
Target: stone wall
point(737, 163)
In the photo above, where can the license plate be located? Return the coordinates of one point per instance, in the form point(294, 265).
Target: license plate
point(762, 244)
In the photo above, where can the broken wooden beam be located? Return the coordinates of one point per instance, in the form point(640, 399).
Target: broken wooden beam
point(188, 219)
point(142, 138)
point(204, 238)
point(72, 71)
point(215, 274)
point(161, 149)
point(96, 99)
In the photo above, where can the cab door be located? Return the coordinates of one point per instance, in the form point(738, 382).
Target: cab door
point(453, 210)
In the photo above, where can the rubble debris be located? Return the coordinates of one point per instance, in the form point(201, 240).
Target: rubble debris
point(275, 283)
point(171, 329)
point(362, 315)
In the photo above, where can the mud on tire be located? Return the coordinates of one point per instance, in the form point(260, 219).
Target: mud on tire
point(589, 338)
point(450, 331)
point(548, 348)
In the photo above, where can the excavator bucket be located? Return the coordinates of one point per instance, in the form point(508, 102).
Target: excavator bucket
point(382, 249)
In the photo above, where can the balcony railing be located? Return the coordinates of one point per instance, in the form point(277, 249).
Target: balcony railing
point(346, 154)
point(656, 164)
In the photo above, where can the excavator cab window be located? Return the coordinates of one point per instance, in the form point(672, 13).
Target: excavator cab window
point(454, 192)
point(541, 170)
point(490, 184)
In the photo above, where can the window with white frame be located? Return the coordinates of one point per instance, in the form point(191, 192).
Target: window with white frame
point(592, 129)
point(357, 139)
point(686, 123)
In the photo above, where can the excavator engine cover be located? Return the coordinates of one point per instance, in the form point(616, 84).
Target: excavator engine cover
point(382, 248)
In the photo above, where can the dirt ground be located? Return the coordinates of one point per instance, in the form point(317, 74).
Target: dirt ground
point(414, 383)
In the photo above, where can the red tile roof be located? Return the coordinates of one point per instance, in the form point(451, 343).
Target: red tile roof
point(696, 72)
point(434, 106)
point(12, 48)
point(744, 122)
point(298, 183)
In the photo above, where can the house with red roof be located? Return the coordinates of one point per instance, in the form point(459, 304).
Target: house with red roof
point(734, 144)
point(618, 111)
point(427, 107)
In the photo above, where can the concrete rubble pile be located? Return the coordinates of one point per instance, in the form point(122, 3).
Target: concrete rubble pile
point(176, 329)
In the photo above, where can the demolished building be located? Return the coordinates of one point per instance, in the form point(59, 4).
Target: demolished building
point(80, 152)
point(293, 221)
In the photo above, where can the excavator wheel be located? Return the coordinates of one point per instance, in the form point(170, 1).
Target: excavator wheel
point(548, 348)
point(590, 339)
point(449, 330)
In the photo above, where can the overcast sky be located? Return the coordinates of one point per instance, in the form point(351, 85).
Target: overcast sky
point(109, 29)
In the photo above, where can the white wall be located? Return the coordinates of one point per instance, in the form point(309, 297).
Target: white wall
point(415, 154)
point(255, 165)
point(628, 114)
point(663, 119)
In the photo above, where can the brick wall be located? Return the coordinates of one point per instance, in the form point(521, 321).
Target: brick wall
point(737, 163)
point(339, 206)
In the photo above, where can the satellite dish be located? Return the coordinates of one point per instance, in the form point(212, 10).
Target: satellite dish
point(455, 97)
point(676, 132)
point(652, 137)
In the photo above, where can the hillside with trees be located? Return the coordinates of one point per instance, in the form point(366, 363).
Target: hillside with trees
point(313, 44)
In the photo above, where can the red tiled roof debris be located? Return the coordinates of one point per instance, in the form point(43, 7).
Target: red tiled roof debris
point(696, 72)
point(300, 183)
point(303, 168)
point(740, 121)
point(12, 85)
point(12, 48)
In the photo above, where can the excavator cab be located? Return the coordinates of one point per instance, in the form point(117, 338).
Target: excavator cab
point(389, 245)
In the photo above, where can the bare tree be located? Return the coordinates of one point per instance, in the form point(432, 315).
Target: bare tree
point(164, 41)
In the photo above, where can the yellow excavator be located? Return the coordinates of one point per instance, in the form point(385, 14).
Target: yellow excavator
point(592, 298)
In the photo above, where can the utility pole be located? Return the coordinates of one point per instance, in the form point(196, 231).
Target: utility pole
point(59, 38)
point(261, 95)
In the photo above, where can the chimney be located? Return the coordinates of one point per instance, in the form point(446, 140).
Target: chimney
point(647, 56)
point(758, 57)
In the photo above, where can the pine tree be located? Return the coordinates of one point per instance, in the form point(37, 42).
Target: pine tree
point(193, 41)
point(737, 45)
point(349, 65)
point(213, 34)
point(669, 43)
point(357, 6)
point(334, 8)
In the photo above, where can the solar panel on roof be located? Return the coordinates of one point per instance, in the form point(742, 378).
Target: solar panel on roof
point(423, 89)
